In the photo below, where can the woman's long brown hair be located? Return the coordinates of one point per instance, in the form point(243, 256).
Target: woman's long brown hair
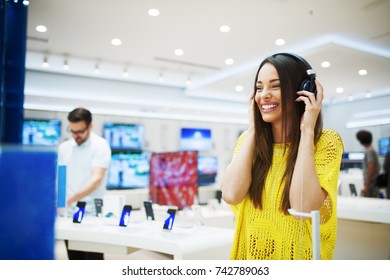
point(291, 73)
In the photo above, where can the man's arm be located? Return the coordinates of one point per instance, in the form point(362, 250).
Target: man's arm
point(93, 183)
point(369, 177)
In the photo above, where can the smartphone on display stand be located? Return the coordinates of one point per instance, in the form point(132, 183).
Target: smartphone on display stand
point(98, 206)
point(149, 210)
point(79, 214)
point(125, 216)
point(170, 218)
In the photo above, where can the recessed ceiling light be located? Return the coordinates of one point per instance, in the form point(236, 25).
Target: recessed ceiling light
point(339, 90)
point(229, 61)
point(224, 29)
point(239, 88)
point(325, 64)
point(362, 72)
point(41, 28)
point(280, 42)
point(154, 12)
point(179, 52)
point(116, 42)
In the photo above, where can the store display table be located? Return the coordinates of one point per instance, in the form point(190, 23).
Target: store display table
point(185, 241)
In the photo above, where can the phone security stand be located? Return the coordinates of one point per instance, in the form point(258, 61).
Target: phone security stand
point(315, 223)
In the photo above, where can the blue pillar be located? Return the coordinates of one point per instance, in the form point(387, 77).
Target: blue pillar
point(13, 28)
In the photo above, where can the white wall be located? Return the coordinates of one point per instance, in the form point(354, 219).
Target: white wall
point(53, 91)
point(161, 135)
point(162, 110)
point(336, 116)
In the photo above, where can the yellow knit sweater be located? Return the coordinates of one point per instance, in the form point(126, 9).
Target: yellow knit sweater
point(269, 233)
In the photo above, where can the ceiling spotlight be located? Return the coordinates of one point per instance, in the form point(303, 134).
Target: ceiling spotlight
point(280, 42)
point(154, 12)
point(229, 61)
point(325, 64)
point(362, 72)
point(41, 28)
point(45, 62)
point(239, 88)
point(339, 90)
point(26, 2)
point(224, 29)
point(179, 52)
point(116, 42)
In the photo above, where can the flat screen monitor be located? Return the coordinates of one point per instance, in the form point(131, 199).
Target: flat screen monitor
point(356, 156)
point(352, 160)
point(41, 132)
point(124, 136)
point(198, 139)
point(207, 170)
point(174, 178)
point(383, 146)
point(128, 170)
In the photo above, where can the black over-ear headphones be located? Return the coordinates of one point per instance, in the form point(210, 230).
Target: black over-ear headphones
point(308, 83)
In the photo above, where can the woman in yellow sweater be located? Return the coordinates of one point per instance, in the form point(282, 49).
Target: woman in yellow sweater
point(284, 160)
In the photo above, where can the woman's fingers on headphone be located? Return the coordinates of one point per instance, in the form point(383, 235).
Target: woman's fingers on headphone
point(306, 96)
point(310, 96)
point(320, 90)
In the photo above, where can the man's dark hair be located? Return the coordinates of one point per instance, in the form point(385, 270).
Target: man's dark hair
point(364, 137)
point(80, 114)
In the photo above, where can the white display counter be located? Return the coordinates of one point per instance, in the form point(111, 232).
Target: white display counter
point(363, 232)
point(363, 229)
point(352, 176)
point(136, 197)
point(187, 240)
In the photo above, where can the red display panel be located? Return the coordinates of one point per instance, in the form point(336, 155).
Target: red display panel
point(174, 178)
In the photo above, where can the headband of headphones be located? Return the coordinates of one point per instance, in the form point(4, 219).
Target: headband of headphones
point(309, 70)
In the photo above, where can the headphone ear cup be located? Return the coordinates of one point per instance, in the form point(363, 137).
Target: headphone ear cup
point(308, 86)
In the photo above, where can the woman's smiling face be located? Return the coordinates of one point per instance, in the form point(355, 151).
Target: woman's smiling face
point(268, 94)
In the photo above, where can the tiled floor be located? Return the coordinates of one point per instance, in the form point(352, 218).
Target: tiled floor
point(60, 254)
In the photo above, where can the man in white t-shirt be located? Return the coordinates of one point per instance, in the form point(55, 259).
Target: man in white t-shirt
point(86, 157)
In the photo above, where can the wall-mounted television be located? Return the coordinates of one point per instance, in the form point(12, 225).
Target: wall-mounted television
point(207, 169)
point(198, 139)
point(124, 136)
point(174, 178)
point(128, 170)
point(41, 132)
point(383, 146)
